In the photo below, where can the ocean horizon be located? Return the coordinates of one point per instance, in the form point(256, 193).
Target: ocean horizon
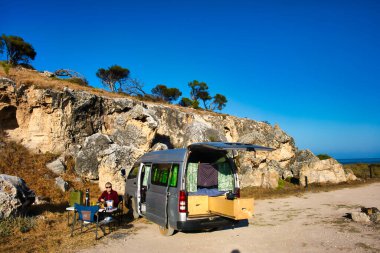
point(359, 160)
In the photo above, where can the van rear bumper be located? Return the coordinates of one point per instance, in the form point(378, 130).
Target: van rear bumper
point(206, 223)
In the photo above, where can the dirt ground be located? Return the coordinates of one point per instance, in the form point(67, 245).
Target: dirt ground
point(311, 222)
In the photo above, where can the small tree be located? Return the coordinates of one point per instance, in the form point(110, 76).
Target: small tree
point(196, 89)
point(165, 93)
point(113, 75)
point(17, 50)
point(219, 102)
point(199, 91)
point(205, 97)
point(187, 102)
point(134, 87)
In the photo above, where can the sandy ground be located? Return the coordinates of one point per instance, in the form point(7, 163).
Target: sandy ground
point(312, 222)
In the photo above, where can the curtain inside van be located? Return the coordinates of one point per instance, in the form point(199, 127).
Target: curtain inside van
point(225, 177)
point(146, 175)
point(192, 177)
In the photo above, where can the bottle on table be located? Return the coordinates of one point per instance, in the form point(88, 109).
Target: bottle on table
point(87, 199)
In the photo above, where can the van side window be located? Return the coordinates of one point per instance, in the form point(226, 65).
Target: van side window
point(174, 175)
point(160, 174)
point(146, 169)
point(133, 173)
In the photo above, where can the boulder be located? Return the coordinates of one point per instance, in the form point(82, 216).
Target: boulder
point(302, 157)
point(6, 83)
point(15, 196)
point(264, 177)
point(47, 73)
point(350, 175)
point(360, 217)
point(112, 161)
point(56, 166)
point(322, 171)
point(159, 146)
point(86, 162)
point(199, 131)
point(62, 184)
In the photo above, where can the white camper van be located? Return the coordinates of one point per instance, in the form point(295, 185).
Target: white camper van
point(189, 189)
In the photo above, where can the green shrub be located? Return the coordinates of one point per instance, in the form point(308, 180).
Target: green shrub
point(323, 156)
point(6, 66)
point(11, 225)
point(281, 184)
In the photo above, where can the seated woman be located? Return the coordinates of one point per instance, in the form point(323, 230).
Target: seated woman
point(109, 194)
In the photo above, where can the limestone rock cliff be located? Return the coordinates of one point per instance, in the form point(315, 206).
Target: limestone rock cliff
point(107, 134)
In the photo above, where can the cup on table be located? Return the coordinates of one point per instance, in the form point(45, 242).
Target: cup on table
point(109, 204)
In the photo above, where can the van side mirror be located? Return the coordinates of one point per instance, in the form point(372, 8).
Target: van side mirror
point(122, 171)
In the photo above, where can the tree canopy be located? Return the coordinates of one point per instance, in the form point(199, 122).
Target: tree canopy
point(17, 50)
point(112, 76)
point(219, 102)
point(199, 91)
point(187, 102)
point(196, 89)
point(165, 93)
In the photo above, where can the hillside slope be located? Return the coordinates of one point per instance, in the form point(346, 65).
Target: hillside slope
point(106, 132)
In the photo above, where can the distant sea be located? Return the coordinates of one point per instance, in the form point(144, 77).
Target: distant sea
point(359, 160)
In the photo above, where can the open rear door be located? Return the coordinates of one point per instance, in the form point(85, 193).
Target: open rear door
point(228, 146)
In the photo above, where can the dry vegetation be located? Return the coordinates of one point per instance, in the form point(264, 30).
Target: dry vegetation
point(362, 170)
point(287, 188)
point(45, 230)
point(31, 77)
point(290, 189)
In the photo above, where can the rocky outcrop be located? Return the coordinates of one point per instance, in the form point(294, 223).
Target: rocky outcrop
point(15, 196)
point(308, 167)
point(106, 134)
point(57, 166)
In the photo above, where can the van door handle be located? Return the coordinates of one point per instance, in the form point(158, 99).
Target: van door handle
point(134, 182)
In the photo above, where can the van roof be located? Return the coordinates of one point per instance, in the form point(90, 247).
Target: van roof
point(168, 155)
point(179, 155)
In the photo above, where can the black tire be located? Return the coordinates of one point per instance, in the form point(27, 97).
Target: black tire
point(166, 231)
point(132, 208)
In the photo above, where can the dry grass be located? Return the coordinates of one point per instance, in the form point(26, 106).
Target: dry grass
point(31, 77)
point(49, 226)
point(290, 189)
point(16, 160)
point(361, 170)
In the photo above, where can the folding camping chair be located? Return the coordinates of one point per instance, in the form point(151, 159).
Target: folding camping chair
point(88, 215)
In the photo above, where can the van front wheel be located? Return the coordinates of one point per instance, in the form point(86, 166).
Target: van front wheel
point(132, 210)
point(166, 231)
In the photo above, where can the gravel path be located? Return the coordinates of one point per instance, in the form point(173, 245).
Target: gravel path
point(312, 222)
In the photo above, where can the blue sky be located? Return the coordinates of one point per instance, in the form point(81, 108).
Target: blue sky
point(310, 66)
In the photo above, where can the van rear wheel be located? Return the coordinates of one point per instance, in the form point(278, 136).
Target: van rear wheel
point(166, 231)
